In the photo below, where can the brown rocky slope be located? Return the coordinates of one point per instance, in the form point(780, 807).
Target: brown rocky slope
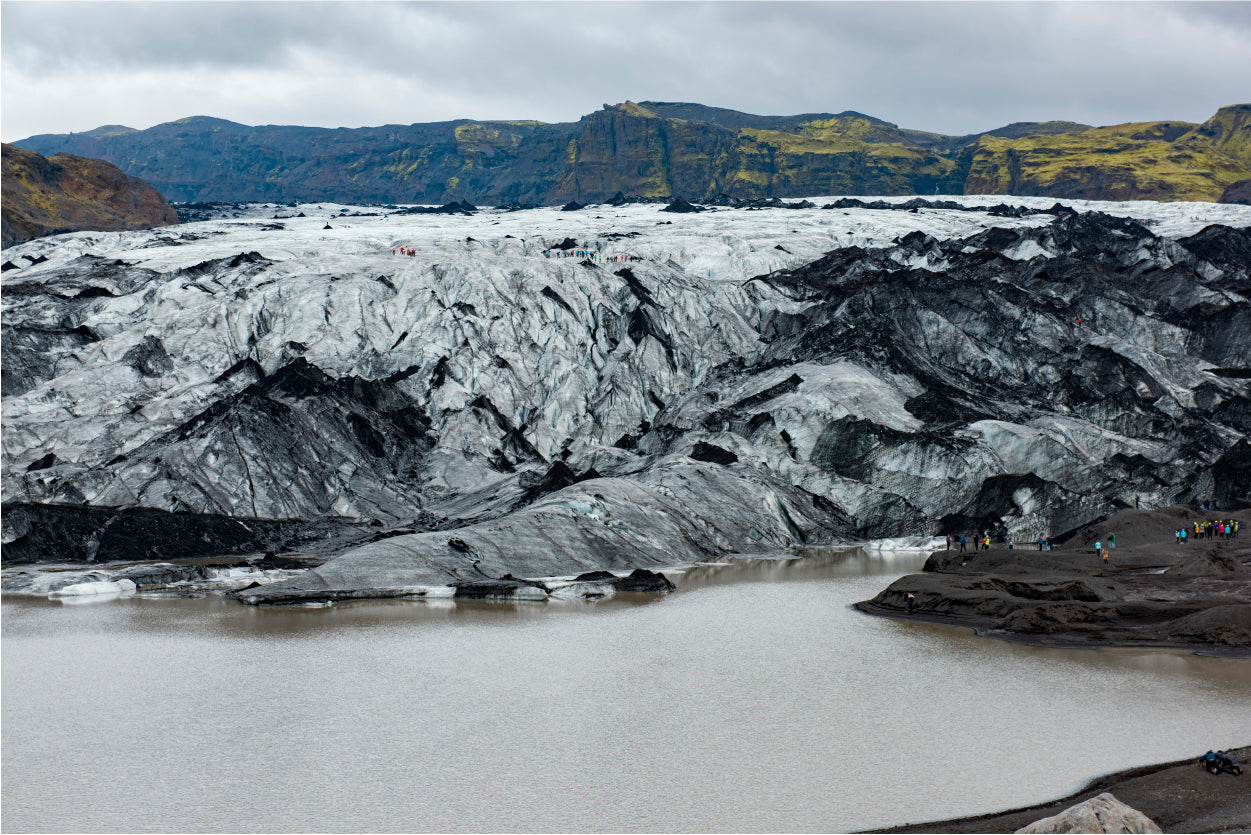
point(66, 193)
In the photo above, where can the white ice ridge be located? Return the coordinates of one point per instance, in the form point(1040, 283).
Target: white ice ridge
point(732, 244)
point(518, 357)
point(547, 338)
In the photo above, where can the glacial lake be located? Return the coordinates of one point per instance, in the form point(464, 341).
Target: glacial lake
point(753, 699)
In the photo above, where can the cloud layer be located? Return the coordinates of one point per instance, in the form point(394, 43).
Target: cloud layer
point(949, 67)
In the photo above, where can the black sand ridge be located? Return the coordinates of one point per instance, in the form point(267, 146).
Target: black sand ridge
point(1179, 796)
point(1153, 592)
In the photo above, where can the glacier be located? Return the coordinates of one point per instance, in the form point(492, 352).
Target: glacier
point(688, 386)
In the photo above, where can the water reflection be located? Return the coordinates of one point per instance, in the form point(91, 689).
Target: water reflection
point(218, 616)
point(811, 564)
point(748, 700)
point(230, 618)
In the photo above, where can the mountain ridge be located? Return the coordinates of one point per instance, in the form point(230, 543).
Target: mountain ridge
point(670, 149)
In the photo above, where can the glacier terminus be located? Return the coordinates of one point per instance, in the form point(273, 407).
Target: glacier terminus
point(544, 393)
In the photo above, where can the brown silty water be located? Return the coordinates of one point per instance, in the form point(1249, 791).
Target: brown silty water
point(752, 699)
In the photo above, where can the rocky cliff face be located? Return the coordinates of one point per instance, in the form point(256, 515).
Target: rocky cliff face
point(665, 149)
point(663, 389)
point(68, 193)
point(1145, 161)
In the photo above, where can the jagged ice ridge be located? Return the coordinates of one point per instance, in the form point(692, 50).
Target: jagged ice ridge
point(489, 407)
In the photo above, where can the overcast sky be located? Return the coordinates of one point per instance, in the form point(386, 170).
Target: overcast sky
point(953, 68)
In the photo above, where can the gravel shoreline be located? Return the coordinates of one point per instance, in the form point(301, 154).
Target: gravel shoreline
point(1179, 796)
point(1152, 592)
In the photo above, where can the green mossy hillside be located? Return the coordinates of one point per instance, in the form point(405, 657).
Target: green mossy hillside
point(1229, 131)
point(1137, 161)
point(668, 149)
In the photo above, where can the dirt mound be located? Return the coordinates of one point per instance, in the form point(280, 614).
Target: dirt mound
point(1227, 625)
point(1211, 563)
point(1153, 591)
point(1135, 528)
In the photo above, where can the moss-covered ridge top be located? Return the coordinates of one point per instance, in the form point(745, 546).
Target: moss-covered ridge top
point(666, 149)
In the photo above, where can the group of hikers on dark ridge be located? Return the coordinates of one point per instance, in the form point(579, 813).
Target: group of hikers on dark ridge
point(982, 542)
point(978, 541)
point(1102, 548)
point(1210, 530)
point(404, 250)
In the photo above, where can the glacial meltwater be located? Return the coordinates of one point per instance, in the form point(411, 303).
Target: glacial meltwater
point(752, 699)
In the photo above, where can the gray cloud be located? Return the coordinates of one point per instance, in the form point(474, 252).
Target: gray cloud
point(947, 67)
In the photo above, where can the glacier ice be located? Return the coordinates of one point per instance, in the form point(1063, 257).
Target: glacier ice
point(746, 381)
point(101, 587)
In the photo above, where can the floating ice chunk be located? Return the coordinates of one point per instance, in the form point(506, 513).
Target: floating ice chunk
point(581, 591)
point(44, 583)
point(99, 587)
point(905, 543)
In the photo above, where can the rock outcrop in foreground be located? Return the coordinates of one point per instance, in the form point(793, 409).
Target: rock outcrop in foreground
point(1102, 813)
point(1175, 796)
point(67, 193)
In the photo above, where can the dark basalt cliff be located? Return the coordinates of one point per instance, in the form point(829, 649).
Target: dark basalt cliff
point(659, 149)
point(68, 193)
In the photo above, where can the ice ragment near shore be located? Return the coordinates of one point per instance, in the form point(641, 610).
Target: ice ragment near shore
point(685, 386)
